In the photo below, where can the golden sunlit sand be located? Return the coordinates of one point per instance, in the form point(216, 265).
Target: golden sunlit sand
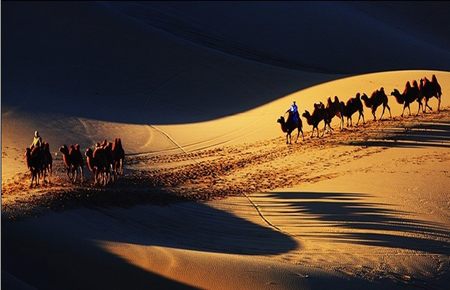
point(367, 206)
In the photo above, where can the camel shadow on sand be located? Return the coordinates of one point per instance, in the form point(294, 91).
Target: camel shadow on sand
point(362, 222)
point(428, 134)
point(64, 250)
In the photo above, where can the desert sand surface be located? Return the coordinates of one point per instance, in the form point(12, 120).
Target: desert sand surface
point(227, 204)
point(212, 197)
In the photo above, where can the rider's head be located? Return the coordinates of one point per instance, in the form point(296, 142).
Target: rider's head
point(294, 102)
point(36, 134)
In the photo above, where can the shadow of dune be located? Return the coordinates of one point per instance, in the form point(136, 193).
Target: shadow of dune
point(363, 222)
point(435, 134)
point(63, 250)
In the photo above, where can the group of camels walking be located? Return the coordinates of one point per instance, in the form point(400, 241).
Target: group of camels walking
point(420, 92)
point(105, 162)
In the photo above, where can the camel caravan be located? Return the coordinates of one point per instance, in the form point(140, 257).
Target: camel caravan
point(419, 92)
point(105, 161)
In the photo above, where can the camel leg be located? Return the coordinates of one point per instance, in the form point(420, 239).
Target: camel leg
point(298, 133)
point(32, 178)
point(439, 103)
point(74, 175)
point(389, 109)
point(382, 113)
point(409, 110)
point(303, 138)
point(50, 173)
point(427, 106)
point(404, 107)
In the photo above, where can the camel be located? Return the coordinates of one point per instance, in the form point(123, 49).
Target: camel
point(335, 109)
point(429, 90)
point(47, 161)
point(97, 162)
point(377, 98)
point(409, 95)
point(73, 160)
point(352, 106)
point(317, 116)
point(33, 158)
point(119, 155)
point(289, 126)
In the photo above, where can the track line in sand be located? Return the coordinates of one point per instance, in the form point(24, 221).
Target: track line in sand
point(173, 141)
point(263, 217)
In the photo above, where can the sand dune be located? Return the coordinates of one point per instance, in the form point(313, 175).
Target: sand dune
point(363, 207)
point(180, 63)
point(212, 197)
point(255, 125)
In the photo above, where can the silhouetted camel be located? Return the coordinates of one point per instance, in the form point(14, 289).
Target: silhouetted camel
point(289, 126)
point(47, 161)
point(97, 162)
point(335, 108)
point(429, 90)
point(377, 98)
point(409, 95)
point(33, 158)
point(73, 160)
point(352, 106)
point(119, 155)
point(317, 116)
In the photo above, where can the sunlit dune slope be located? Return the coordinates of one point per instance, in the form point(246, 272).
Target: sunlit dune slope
point(257, 124)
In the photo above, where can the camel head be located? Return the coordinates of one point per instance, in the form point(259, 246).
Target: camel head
point(306, 114)
point(281, 120)
point(336, 99)
point(395, 92)
point(63, 149)
point(415, 84)
point(363, 97)
point(89, 153)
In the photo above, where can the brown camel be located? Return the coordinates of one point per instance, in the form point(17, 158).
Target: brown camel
point(317, 116)
point(409, 95)
point(33, 158)
point(335, 109)
point(377, 98)
point(352, 106)
point(118, 156)
point(97, 162)
point(290, 125)
point(47, 161)
point(429, 90)
point(73, 160)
